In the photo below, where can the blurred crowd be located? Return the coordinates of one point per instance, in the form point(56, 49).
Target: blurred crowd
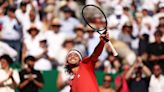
point(39, 33)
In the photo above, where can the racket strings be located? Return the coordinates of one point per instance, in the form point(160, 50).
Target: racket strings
point(94, 15)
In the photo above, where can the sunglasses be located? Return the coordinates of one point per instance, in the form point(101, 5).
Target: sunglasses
point(56, 25)
point(107, 80)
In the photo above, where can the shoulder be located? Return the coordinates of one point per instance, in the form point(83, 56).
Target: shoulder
point(37, 72)
point(85, 59)
point(22, 71)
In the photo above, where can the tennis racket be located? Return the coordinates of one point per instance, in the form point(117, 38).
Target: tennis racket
point(88, 11)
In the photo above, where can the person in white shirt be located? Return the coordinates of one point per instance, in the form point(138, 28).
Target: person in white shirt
point(9, 79)
point(159, 14)
point(55, 39)
point(22, 13)
point(31, 19)
point(11, 32)
point(116, 21)
point(43, 62)
point(139, 29)
point(63, 80)
point(157, 80)
point(31, 43)
point(69, 22)
point(6, 49)
point(118, 18)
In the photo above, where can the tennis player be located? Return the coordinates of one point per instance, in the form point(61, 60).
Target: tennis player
point(84, 79)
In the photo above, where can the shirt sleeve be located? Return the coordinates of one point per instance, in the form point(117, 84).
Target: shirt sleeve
point(9, 50)
point(16, 76)
point(21, 76)
point(39, 77)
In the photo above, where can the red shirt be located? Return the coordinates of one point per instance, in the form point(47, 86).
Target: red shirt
point(124, 87)
point(85, 79)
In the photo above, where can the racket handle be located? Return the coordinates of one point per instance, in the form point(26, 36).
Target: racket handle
point(113, 49)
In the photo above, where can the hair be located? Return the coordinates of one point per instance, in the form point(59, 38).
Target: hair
point(159, 33)
point(29, 58)
point(68, 69)
point(7, 58)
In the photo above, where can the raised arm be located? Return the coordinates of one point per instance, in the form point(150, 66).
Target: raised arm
point(99, 48)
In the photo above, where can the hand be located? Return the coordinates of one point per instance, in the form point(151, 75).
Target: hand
point(154, 58)
point(31, 78)
point(10, 74)
point(104, 37)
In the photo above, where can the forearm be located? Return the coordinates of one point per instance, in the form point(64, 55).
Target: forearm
point(37, 83)
point(129, 73)
point(146, 70)
point(98, 50)
point(14, 83)
point(161, 57)
point(23, 84)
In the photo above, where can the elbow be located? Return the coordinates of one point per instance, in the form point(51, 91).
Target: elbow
point(41, 86)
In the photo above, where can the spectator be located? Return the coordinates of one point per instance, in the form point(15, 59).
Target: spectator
point(118, 19)
point(11, 32)
point(161, 28)
point(22, 13)
point(106, 87)
point(121, 84)
point(156, 80)
point(80, 41)
point(34, 37)
point(63, 78)
point(139, 29)
point(138, 83)
point(9, 79)
point(159, 14)
point(69, 22)
point(126, 34)
point(31, 79)
point(112, 65)
point(147, 20)
point(31, 19)
point(68, 44)
point(55, 39)
point(155, 51)
point(43, 62)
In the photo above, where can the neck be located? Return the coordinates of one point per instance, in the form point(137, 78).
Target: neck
point(6, 69)
point(75, 69)
point(157, 76)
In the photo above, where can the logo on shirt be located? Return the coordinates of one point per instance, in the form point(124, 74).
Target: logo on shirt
point(78, 76)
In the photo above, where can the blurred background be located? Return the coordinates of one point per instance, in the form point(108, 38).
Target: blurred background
point(43, 31)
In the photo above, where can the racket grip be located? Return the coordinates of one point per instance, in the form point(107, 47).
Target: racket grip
point(113, 49)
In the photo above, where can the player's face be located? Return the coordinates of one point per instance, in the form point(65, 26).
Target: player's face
point(73, 58)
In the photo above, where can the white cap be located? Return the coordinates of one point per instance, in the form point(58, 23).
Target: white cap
point(118, 10)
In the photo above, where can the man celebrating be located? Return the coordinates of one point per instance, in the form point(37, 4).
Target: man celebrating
point(84, 79)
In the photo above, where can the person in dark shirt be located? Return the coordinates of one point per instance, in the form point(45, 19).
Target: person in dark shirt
point(138, 83)
point(155, 51)
point(31, 80)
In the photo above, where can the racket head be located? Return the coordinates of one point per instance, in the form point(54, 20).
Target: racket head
point(89, 12)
